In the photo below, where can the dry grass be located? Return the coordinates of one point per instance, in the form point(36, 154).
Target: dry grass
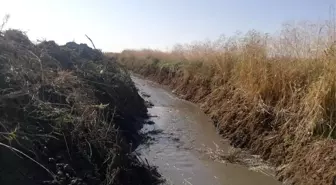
point(274, 94)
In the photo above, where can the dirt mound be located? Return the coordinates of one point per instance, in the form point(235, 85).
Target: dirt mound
point(68, 115)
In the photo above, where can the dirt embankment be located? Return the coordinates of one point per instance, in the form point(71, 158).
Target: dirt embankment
point(281, 120)
point(68, 115)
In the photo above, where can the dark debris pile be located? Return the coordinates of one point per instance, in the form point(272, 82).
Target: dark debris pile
point(67, 116)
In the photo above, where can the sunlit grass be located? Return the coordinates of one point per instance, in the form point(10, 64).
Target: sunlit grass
point(292, 70)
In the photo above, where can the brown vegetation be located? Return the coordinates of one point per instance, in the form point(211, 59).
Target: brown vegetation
point(275, 95)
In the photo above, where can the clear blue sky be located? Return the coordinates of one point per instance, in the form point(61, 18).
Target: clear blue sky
point(159, 24)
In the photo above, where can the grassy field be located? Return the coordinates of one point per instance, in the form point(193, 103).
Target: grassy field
point(273, 94)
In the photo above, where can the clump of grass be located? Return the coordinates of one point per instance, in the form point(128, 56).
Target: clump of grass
point(274, 94)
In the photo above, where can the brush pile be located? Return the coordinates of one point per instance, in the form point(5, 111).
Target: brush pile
point(68, 115)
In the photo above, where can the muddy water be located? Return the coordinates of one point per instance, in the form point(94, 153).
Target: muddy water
point(182, 137)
